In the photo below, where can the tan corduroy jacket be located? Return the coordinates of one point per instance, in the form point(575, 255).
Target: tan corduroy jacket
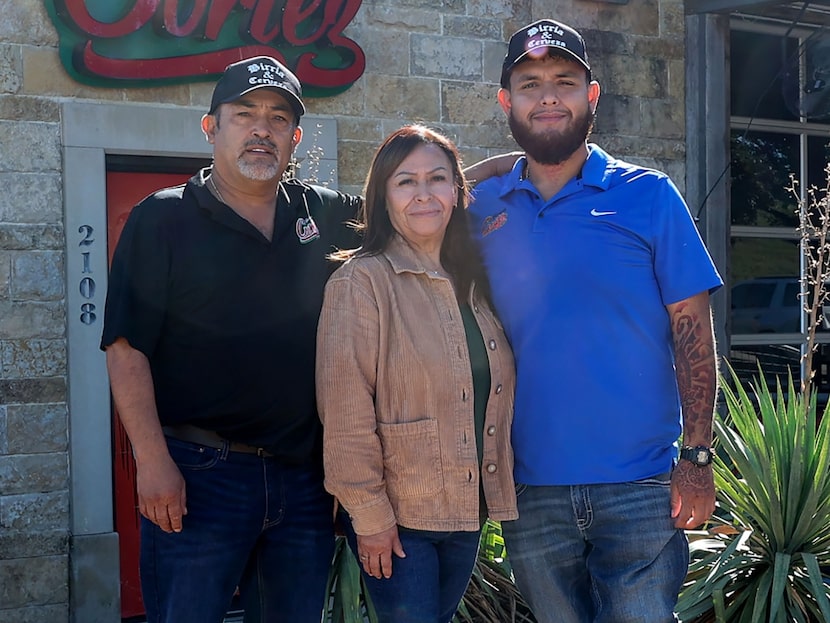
point(394, 391)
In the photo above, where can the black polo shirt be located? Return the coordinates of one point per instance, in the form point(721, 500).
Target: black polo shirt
point(227, 319)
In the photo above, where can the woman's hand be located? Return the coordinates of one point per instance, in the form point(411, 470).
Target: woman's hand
point(375, 552)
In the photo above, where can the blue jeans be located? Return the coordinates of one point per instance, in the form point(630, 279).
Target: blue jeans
point(606, 553)
point(251, 522)
point(427, 585)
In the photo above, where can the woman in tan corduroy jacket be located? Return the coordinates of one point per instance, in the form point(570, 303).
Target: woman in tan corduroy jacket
point(415, 384)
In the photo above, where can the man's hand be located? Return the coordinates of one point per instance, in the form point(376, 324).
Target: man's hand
point(161, 493)
point(692, 495)
point(375, 552)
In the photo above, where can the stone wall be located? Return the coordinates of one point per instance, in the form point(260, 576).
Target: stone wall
point(432, 62)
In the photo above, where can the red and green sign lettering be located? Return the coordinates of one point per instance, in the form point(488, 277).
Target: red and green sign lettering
point(140, 43)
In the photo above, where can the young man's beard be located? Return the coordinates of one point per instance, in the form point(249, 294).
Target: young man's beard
point(552, 147)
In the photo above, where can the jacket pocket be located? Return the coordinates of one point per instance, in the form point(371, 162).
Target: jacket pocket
point(411, 458)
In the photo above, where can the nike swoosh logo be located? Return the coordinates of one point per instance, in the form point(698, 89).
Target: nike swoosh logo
point(595, 212)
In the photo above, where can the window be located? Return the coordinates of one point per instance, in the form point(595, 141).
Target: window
point(780, 118)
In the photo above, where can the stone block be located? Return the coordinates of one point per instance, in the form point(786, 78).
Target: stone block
point(633, 76)
point(25, 476)
point(57, 613)
point(638, 17)
point(34, 581)
point(29, 198)
point(37, 275)
point(34, 512)
point(43, 74)
point(469, 103)
point(653, 47)
point(401, 21)
point(618, 113)
point(32, 391)
point(22, 108)
point(672, 19)
point(446, 57)
point(25, 544)
point(353, 160)
point(26, 22)
point(43, 152)
point(663, 119)
point(480, 28)
point(350, 102)
point(404, 99)
point(386, 49)
point(35, 236)
point(29, 319)
point(494, 137)
point(11, 68)
point(492, 58)
point(360, 129)
point(32, 429)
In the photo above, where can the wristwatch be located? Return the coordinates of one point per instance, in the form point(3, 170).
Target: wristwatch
point(699, 455)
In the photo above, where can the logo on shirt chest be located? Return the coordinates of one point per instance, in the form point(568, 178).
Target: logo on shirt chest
point(494, 222)
point(307, 230)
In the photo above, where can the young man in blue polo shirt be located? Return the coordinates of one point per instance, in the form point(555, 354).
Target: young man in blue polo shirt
point(602, 283)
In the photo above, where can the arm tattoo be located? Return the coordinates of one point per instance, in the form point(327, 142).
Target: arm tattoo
point(696, 367)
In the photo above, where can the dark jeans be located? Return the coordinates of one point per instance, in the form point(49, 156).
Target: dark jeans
point(427, 585)
point(251, 522)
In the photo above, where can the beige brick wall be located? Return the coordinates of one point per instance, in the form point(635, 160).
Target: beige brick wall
point(427, 61)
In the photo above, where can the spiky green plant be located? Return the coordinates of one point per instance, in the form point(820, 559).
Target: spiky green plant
point(766, 554)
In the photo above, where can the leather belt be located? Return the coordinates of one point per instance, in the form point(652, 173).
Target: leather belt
point(211, 439)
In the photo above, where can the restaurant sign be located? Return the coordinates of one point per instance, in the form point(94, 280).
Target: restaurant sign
point(141, 43)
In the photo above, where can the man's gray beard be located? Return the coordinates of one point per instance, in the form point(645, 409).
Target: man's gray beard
point(552, 147)
point(258, 172)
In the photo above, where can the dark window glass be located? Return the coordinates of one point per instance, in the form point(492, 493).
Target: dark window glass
point(762, 163)
point(758, 65)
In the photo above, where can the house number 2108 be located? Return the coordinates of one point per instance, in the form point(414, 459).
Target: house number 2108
point(86, 285)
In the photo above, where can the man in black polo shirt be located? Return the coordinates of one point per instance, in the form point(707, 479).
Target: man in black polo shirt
point(209, 331)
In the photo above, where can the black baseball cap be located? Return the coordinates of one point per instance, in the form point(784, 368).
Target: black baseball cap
point(254, 73)
point(546, 33)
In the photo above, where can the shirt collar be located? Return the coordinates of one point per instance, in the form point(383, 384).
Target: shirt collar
point(596, 171)
point(401, 256)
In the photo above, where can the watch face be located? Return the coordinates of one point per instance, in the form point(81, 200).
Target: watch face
point(700, 455)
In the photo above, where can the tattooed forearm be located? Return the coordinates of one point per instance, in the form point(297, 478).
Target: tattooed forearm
point(696, 366)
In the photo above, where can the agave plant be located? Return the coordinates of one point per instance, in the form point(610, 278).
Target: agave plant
point(766, 554)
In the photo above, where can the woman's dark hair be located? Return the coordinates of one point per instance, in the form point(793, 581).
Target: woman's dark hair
point(459, 255)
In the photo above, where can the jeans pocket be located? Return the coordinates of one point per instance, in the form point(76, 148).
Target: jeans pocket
point(192, 456)
point(520, 488)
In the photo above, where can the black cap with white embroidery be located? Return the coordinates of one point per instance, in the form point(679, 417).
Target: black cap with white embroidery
point(257, 73)
point(547, 35)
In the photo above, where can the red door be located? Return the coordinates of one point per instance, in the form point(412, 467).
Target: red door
point(124, 190)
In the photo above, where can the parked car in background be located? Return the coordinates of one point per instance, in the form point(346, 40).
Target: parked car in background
point(766, 305)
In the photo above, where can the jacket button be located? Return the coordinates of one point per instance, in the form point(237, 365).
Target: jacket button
point(498, 388)
point(492, 344)
point(491, 430)
point(491, 468)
